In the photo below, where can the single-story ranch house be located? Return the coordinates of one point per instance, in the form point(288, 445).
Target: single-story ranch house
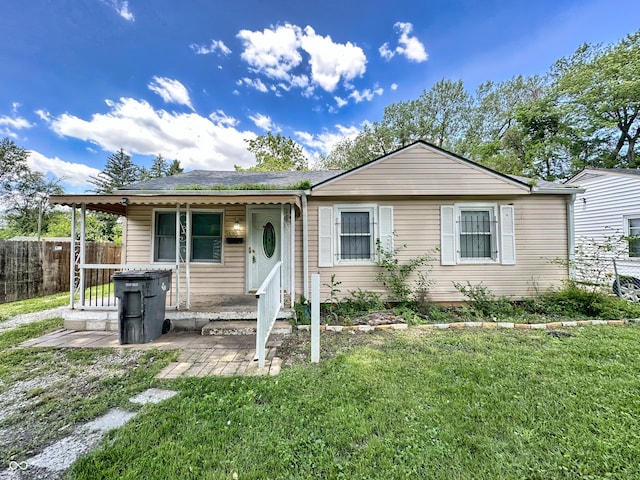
point(223, 233)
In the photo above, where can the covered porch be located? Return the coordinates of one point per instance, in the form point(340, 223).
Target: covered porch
point(250, 275)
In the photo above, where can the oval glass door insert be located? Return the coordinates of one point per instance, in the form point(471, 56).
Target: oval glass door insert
point(269, 239)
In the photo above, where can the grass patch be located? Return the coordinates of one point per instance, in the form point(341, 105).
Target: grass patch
point(45, 392)
point(439, 405)
point(8, 310)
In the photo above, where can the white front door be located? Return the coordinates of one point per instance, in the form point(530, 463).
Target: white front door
point(264, 244)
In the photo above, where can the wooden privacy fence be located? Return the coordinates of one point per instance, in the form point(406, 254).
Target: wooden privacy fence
point(31, 269)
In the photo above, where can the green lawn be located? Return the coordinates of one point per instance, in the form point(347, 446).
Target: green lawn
point(8, 310)
point(467, 404)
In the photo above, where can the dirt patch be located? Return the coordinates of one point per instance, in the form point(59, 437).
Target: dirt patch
point(46, 406)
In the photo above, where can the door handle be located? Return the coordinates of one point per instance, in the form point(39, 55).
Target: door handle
point(254, 259)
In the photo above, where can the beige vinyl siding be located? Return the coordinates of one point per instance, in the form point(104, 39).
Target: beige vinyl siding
point(206, 278)
point(420, 171)
point(541, 238)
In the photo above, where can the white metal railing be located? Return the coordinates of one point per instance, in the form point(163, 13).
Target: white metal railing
point(270, 301)
point(93, 287)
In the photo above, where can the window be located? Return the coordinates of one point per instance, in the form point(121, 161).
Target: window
point(205, 242)
point(356, 235)
point(348, 233)
point(477, 234)
point(472, 233)
point(633, 231)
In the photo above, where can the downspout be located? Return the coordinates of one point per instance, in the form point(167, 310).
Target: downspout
point(292, 254)
point(305, 244)
point(571, 241)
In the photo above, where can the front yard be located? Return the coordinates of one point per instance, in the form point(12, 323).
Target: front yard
point(421, 403)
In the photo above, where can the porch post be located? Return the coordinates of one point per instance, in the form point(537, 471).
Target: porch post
point(72, 260)
point(187, 255)
point(178, 232)
point(83, 250)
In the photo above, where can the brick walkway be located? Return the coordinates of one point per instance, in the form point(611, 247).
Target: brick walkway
point(201, 355)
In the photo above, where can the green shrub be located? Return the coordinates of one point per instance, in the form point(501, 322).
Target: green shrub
point(484, 303)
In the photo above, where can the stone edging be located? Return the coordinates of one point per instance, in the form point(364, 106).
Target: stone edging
point(442, 326)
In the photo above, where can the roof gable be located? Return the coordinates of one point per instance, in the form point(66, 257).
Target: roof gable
point(421, 169)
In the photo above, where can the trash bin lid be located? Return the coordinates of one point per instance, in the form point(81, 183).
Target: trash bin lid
point(140, 274)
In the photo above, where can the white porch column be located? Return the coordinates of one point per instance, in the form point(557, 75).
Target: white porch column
point(187, 260)
point(72, 260)
point(83, 250)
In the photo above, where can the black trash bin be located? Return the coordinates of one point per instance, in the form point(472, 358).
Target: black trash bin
point(141, 306)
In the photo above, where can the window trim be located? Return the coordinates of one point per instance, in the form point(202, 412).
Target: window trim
point(627, 233)
point(189, 212)
point(494, 234)
point(372, 210)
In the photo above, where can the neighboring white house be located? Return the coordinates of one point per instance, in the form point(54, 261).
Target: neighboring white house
point(607, 216)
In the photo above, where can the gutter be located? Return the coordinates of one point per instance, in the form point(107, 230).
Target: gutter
point(557, 190)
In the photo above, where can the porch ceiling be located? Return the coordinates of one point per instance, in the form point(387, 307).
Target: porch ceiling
point(118, 203)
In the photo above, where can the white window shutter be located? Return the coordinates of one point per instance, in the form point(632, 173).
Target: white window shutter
point(447, 235)
point(385, 228)
point(507, 235)
point(325, 236)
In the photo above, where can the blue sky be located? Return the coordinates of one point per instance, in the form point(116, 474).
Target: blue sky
point(193, 79)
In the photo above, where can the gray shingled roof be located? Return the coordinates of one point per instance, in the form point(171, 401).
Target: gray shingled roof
point(201, 179)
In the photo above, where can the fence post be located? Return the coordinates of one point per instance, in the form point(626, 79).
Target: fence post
point(315, 317)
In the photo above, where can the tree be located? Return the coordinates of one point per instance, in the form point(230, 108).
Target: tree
point(118, 172)
point(275, 153)
point(29, 208)
point(599, 88)
point(443, 114)
point(174, 168)
point(13, 165)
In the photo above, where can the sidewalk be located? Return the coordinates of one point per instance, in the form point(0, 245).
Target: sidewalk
point(201, 356)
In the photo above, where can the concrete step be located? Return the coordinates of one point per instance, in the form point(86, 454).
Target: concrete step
point(242, 327)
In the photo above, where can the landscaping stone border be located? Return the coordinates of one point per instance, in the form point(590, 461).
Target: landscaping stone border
point(442, 326)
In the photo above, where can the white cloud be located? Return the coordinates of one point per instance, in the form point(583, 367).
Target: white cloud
point(408, 45)
point(276, 54)
point(341, 102)
point(198, 142)
point(122, 8)
point(220, 118)
point(272, 52)
point(15, 123)
point(264, 122)
point(365, 95)
point(171, 91)
point(216, 46)
point(332, 62)
point(254, 83)
point(74, 174)
point(43, 114)
point(324, 142)
point(394, 86)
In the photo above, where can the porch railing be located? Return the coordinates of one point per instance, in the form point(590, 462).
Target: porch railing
point(270, 301)
point(93, 288)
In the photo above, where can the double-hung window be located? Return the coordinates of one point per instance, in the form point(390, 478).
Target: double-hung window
point(205, 239)
point(477, 233)
point(350, 233)
point(355, 229)
point(632, 225)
